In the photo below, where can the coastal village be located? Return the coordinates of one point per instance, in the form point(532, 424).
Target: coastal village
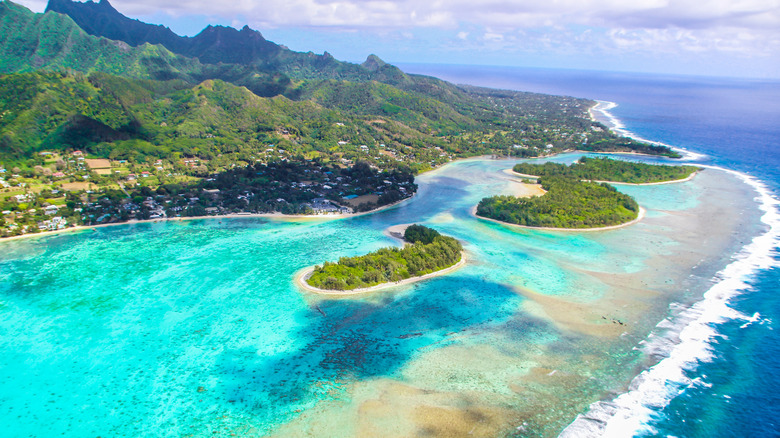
point(73, 188)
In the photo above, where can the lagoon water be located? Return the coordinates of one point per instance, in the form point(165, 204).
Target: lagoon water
point(731, 387)
point(195, 328)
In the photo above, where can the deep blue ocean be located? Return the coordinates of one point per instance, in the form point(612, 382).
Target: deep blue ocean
point(736, 124)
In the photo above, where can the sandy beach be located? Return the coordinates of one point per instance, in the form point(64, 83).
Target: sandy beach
point(511, 172)
point(280, 216)
point(303, 274)
point(522, 189)
point(395, 232)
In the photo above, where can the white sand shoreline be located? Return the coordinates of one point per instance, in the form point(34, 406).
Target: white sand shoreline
point(302, 275)
point(396, 232)
point(323, 217)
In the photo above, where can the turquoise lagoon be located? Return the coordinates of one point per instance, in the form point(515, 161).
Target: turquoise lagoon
point(196, 328)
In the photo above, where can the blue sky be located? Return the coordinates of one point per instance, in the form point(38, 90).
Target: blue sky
point(739, 38)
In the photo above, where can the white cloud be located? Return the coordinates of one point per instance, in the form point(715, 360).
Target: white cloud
point(493, 36)
point(686, 14)
point(686, 23)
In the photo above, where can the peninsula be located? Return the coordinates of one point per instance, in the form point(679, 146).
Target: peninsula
point(425, 254)
point(577, 197)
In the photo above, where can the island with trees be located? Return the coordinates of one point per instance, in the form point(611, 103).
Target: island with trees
point(568, 203)
point(606, 169)
point(426, 252)
point(576, 195)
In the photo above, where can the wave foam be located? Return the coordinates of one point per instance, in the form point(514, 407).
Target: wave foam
point(687, 338)
point(613, 123)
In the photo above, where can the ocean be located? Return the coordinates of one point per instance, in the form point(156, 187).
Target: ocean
point(196, 328)
point(733, 387)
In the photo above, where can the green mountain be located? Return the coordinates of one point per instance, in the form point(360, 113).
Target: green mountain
point(30, 41)
point(122, 118)
point(220, 44)
point(53, 42)
point(110, 130)
point(101, 94)
point(213, 45)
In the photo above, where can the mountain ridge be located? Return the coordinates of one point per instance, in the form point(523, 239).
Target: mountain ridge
point(382, 104)
point(221, 44)
point(31, 41)
point(214, 44)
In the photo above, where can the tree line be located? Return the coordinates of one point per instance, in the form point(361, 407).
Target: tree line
point(568, 203)
point(605, 169)
point(389, 264)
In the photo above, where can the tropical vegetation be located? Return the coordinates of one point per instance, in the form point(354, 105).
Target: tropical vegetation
point(420, 233)
point(427, 252)
point(98, 110)
point(568, 203)
point(605, 169)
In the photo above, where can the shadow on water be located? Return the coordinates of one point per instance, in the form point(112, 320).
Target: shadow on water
point(356, 339)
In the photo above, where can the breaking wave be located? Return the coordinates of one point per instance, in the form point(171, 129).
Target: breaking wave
point(685, 340)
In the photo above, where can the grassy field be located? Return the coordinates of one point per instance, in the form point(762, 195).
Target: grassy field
point(98, 163)
point(362, 199)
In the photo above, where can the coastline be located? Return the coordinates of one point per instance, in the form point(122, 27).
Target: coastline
point(323, 217)
point(688, 178)
point(397, 232)
point(327, 217)
point(303, 274)
point(639, 217)
point(608, 105)
point(682, 341)
point(615, 125)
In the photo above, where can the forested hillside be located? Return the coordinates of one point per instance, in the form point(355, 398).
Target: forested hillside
point(83, 116)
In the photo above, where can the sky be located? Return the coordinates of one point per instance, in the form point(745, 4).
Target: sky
point(737, 38)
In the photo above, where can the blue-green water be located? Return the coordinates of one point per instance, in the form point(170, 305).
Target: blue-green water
point(196, 328)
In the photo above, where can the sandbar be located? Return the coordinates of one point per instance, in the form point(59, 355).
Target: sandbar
point(397, 232)
point(522, 189)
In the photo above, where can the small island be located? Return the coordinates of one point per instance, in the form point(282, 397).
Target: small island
point(608, 170)
point(426, 252)
point(568, 203)
point(578, 197)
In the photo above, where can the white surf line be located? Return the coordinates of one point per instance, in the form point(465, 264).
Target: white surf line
point(613, 123)
point(689, 343)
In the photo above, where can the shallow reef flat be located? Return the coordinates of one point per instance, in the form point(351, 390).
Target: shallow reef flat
point(196, 327)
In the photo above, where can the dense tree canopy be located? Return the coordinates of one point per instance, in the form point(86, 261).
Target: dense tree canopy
point(389, 264)
point(420, 233)
point(605, 169)
point(568, 203)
